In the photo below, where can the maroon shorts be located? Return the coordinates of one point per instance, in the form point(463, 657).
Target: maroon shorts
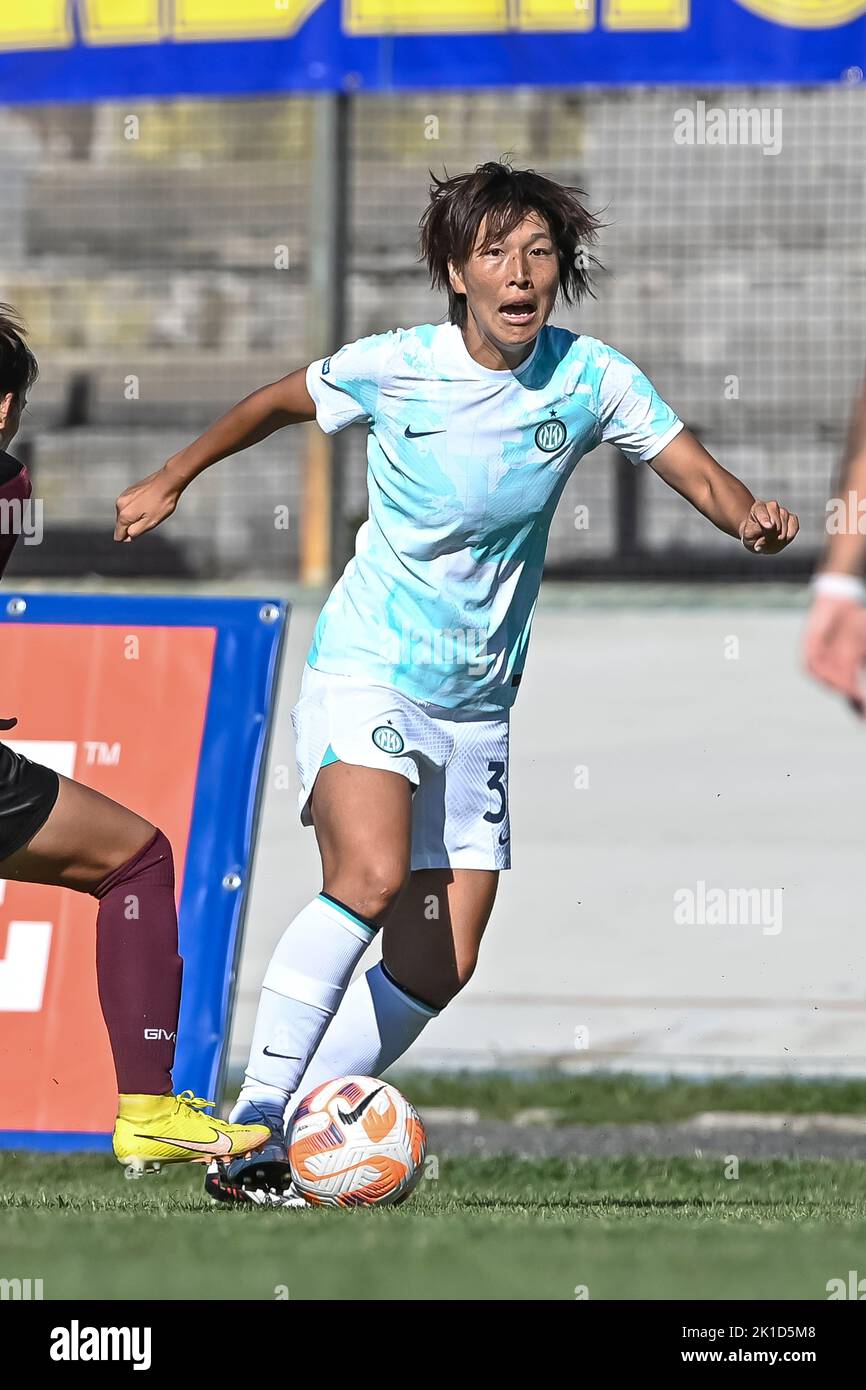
point(28, 792)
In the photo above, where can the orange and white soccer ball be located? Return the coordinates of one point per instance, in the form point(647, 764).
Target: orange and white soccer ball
point(355, 1142)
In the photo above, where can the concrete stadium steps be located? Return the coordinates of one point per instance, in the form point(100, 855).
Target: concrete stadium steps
point(154, 259)
point(133, 214)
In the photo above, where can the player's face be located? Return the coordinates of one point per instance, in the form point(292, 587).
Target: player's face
point(511, 286)
point(10, 418)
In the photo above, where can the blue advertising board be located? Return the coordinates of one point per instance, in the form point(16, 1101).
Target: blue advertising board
point(180, 734)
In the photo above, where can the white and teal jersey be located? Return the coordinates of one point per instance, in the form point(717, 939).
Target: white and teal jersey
point(465, 467)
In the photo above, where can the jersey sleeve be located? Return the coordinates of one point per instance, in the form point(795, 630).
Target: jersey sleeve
point(346, 385)
point(631, 413)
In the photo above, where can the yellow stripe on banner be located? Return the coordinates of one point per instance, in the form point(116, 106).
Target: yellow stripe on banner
point(121, 21)
point(425, 16)
point(240, 19)
point(36, 24)
point(646, 14)
point(563, 16)
point(807, 14)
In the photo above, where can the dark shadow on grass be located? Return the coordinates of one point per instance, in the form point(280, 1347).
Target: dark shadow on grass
point(613, 1203)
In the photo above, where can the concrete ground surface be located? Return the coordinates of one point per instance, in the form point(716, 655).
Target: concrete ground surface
point(705, 1136)
point(687, 816)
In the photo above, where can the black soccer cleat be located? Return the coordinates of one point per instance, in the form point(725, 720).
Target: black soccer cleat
point(263, 1178)
point(220, 1189)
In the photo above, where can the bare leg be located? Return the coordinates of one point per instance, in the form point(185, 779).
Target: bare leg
point(362, 818)
point(86, 836)
point(432, 938)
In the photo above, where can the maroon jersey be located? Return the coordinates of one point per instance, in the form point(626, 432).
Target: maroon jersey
point(15, 486)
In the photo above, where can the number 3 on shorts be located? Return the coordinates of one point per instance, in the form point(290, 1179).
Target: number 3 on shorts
point(496, 768)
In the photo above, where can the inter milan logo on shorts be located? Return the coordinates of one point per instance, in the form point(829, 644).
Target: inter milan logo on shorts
point(388, 739)
point(551, 436)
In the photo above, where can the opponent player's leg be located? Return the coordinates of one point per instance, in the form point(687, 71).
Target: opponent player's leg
point(430, 945)
point(94, 845)
point(85, 837)
point(362, 820)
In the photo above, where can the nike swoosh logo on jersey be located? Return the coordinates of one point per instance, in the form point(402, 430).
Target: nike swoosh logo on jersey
point(356, 1114)
point(507, 838)
point(419, 434)
point(219, 1146)
point(285, 1056)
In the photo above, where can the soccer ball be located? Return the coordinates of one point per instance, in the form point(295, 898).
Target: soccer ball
point(355, 1142)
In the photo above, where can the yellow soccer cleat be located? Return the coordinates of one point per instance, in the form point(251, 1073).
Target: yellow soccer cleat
point(152, 1130)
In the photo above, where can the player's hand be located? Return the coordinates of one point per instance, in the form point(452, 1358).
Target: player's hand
point(768, 528)
point(145, 505)
point(834, 647)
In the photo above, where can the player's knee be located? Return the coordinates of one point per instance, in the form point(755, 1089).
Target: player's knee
point(371, 889)
point(152, 863)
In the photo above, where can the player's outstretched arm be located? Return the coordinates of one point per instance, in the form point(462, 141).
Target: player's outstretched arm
point(285, 402)
point(834, 644)
point(687, 467)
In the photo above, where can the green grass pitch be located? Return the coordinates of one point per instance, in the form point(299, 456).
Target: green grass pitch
point(493, 1229)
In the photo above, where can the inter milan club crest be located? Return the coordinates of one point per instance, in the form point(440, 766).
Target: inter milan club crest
point(388, 739)
point(551, 435)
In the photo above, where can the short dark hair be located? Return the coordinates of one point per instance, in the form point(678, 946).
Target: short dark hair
point(18, 367)
point(505, 196)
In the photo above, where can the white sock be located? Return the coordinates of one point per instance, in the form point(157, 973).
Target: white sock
point(376, 1023)
point(304, 983)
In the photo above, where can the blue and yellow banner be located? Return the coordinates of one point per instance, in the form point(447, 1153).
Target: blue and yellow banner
point(81, 50)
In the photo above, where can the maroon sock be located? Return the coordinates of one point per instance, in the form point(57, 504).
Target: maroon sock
point(138, 969)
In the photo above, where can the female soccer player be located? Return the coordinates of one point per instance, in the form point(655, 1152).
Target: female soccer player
point(54, 830)
point(402, 722)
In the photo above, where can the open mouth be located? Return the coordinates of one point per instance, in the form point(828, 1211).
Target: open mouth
point(517, 310)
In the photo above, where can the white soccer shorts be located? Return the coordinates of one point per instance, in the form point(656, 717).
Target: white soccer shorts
point(458, 764)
